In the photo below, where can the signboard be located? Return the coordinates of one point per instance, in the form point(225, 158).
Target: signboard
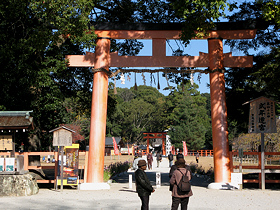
point(10, 164)
point(71, 165)
point(62, 137)
point(262, 116)
point(1, 164)
point(6, 142)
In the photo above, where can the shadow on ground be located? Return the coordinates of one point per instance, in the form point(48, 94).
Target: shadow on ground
point(196, 181)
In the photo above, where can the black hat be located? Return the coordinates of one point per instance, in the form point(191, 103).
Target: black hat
point(179, 156)
point(141, 163)
point(180, 163)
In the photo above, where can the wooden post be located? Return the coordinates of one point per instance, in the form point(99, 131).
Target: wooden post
point(56, 165)
point(25, 161)
point(61, 167)
point(98, 112)
point(86, 165)
point(262, 162)
point(218, 111)
point(163, 146)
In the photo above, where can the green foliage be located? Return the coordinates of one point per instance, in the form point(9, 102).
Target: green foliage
point(135, 112)
point(34, 75)
point(244, 84)
point(271, 10)
point(198, 16)
point(189, 118)
point(115, 169)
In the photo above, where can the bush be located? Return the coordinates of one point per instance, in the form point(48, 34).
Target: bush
point(115, 168)
point(199, 170)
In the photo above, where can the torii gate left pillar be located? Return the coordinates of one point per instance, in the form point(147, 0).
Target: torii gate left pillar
point(98, 118)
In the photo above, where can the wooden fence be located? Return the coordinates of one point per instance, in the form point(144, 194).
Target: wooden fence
point(53, 166)
point(253, 165)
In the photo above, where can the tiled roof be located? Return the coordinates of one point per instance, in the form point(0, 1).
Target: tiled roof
point(15, 120)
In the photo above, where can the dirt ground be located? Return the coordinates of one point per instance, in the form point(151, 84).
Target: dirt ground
point(205, 162)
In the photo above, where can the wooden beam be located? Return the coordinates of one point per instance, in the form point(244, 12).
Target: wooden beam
point(174, 34)
point(159, 60)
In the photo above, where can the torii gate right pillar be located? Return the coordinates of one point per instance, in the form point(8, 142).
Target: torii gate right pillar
point(218, 112)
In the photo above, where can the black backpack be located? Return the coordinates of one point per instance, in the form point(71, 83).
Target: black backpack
point(184, 185)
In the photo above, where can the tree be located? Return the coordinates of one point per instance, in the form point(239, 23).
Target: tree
point(198, 16)
point(136, 112)
point(190, 120)
point(244, 84)
point(32, 56)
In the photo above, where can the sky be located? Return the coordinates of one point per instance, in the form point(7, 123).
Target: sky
point(192, 49)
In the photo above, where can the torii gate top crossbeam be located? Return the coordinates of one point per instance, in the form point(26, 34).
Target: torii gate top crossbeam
point(159, 33)
point(224, 30)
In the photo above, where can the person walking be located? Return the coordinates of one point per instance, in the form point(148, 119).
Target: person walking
point(136, 159)
point(170, 158)
point(179, 197)
point(159, 158)
point(150, 161)
point(143, 185)
point(197, 157)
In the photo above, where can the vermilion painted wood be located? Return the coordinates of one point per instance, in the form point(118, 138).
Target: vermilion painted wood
point(98, 113)
point(222, 172)
point(214, 60)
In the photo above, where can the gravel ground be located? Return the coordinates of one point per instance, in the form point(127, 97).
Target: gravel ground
point(121, 197)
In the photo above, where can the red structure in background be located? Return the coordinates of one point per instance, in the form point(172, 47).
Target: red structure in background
point(157, 135)
point(215, 60)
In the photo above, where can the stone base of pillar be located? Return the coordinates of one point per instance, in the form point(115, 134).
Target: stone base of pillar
point(223, 186)
point(94, 186)
point(18, 185)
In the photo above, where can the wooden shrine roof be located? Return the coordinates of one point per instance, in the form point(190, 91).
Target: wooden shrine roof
point(15, 120)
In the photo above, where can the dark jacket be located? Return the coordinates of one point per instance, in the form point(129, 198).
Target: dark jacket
point(143, 185)
point(170, 157)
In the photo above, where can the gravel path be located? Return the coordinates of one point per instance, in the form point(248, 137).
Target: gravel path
point(121, 197)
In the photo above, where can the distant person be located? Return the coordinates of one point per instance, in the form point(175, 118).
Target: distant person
point(21, 147)
point(179, 197)
point(159, 158)
point(170, 158)
point(150, 160)
point(136, 159)
point(143, 185)
point(179, 155)
point(197, 157)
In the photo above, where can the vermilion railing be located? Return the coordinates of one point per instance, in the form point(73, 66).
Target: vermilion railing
point(53, 166)
point(258, 166)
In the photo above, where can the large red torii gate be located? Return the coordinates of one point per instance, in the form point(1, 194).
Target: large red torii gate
point(215, 60)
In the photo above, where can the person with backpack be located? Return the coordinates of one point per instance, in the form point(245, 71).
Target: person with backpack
point(180, 182)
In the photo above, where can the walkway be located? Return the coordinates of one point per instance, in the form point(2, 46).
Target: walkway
point(120, 197)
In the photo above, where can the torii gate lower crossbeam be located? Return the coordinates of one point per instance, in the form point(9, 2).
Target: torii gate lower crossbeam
point(216, 61)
